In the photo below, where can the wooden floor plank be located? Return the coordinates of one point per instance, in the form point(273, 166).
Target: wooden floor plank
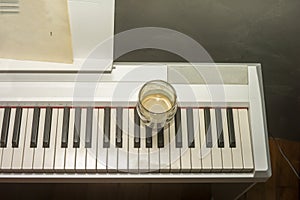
point(283, 184)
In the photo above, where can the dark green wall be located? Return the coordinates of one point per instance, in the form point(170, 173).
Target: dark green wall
point(265, 31)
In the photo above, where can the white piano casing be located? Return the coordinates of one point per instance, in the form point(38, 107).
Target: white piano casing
point(121, 86)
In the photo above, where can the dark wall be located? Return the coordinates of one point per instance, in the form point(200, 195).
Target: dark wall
point(265, 31)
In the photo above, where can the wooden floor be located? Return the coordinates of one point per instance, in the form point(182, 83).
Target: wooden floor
point(282, 185)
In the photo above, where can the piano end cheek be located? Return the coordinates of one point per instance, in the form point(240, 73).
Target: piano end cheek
point(262, 172)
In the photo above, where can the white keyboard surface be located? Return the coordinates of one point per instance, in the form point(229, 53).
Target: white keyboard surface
point(85, 127)
point(105, 139)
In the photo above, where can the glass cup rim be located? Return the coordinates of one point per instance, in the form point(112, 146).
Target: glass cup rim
point(161, 81)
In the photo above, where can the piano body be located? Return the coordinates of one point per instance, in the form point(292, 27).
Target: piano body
point(59, 123)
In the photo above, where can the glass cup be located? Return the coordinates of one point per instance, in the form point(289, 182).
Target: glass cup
point(157, 103)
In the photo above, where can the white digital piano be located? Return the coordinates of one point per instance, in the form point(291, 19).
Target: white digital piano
point(67, 123)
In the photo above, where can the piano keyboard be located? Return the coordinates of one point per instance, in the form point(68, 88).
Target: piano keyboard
point(113, 139)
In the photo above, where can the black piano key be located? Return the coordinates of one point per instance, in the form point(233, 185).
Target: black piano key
point(190, 128)
point(89, 128)
point(219, 128)
point(65, 128)
point(5, 126)
point(106, 136)
point(231, 128)
point(17, 126)
point(178, 129)
point(119, 128)
point(137, 141)
point(208, 135)
point(35, 128)
point(47, 128)
point(148, 137)
point(77, 128)
point(160, 138)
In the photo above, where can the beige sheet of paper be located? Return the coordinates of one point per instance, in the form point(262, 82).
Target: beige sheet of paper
point(40, 32)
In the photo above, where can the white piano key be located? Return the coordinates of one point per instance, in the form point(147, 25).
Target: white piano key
point(164, 153)
point(175, 153)
point(28, 152)
point(226, 151)
point(246, 140)
point(38, 157)
point(133, 153)
point(216, 152)
point(91, 153)
point(49, 156)
point(185, 150)
point(154, 153)
point(123, 152)
point(205, 152)
point(18, 152)
point(196, 151)
point(7, 153)
point(237, 158)
point(81, 151)
point(1, 121)
point(70, 151)
point(101, 152)
point(59, 160)
point(112, 151)
point(143, 151)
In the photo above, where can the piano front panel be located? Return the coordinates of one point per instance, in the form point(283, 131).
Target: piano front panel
point(114, 140)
